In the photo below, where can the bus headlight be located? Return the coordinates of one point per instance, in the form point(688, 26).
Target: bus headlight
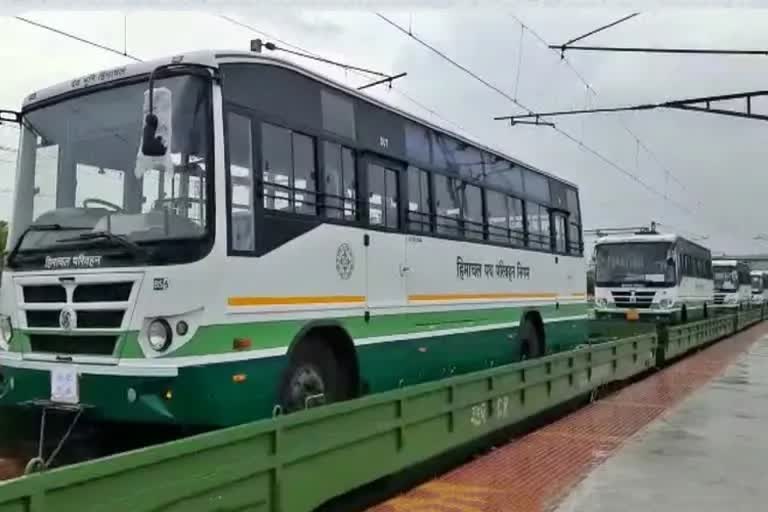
point(730, 299)
point(159, 335)
point(666, 303)
point(6, 331)
point(601, 302)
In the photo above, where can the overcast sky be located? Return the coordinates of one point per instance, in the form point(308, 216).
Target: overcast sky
point(720, 161)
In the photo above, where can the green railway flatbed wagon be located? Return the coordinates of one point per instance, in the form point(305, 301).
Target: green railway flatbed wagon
point(297, 462)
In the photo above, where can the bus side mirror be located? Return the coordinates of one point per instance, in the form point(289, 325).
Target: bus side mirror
point(156, 133)
point(151, 143)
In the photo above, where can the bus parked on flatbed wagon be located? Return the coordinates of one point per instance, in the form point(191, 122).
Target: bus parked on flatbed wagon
point(652, 276)
point(221, 236)
point(733, 285)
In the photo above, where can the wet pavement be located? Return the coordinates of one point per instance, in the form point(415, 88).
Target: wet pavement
point(689, 437)
point(710, 453)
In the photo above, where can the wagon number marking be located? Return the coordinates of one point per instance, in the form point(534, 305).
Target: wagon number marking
point(479, 415)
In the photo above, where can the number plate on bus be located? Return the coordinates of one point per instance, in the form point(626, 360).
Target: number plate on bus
point(632, 314)
point(65, 387)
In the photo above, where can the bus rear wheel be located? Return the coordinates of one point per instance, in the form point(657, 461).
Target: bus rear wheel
point(530, 341)
point(314, 377)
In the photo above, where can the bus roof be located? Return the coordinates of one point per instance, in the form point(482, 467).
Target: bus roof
point(214, 58)
point(623, 239)
point(725, 263)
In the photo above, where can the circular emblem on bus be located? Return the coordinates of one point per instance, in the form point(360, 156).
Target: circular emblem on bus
point(345, 261)
point(68, 319)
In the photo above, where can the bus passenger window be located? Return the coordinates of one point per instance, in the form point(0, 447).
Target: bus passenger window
point(382, 196)
point(516, 221)
point(538, 226)
point(304, 174)
point(497, 213)
point(288, 169)
point(447, 204)
point(277, 166)
point(559, 233)
point(473, 212)
point(418, 200)
point(349, 184)
point(240, 183)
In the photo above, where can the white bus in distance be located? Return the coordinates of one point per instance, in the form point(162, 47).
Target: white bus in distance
point(658, 277)
point(759, 287)
point(733, 284)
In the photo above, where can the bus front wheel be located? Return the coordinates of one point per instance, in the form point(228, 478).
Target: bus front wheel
point(314, 377)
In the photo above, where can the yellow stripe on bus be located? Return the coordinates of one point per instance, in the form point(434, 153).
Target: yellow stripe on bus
point(463, 296)
point(294, 300)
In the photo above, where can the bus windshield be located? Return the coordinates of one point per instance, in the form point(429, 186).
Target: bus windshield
point(635, 263)
point(726, 278)
point(78, 178)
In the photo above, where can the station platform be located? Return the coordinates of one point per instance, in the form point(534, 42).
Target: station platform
point(689, 437)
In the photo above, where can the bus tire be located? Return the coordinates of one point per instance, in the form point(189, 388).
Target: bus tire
point(313, 377)
point(531, 339)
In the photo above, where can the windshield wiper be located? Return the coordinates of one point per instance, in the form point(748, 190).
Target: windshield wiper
point(134, 248)
point(39, 227)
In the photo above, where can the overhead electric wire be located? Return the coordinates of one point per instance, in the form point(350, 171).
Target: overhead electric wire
point(78, 38)
point(640, 49)
point(454, 63)
point(581, 144)
point(620, 120)
point(599, 29)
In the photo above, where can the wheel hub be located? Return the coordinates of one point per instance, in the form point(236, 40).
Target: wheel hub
point(307, 387)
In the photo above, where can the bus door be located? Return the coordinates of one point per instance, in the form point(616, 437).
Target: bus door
point(385, 252)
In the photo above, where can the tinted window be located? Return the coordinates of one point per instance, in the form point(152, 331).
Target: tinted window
point(340, 185)
point(447, 204)
point(538, 226)
point(282, 93)
point(497, 211)
point(338, 113)
point(288, 169)
point(557, 193)
point(468, 160)
point(277, 166)
point(571, 198)
point(240, 154)
point(574, 239)
point(417, 142)
point(418, 200)
point(304, 174)
point(382, 196)
point(516, 220)
point(380, 130)
point(537, 186)
point(472, 212)
point(559, 233)
point(503, 174)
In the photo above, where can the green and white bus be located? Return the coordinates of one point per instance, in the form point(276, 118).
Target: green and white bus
point(652, 276)
point(259, 238)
